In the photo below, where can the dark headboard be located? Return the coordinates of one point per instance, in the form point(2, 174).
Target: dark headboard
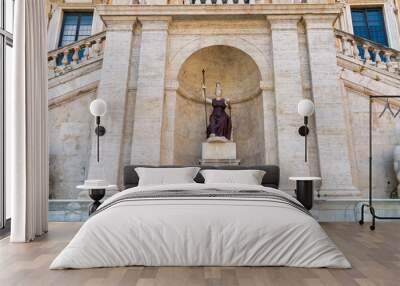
point(271, 177)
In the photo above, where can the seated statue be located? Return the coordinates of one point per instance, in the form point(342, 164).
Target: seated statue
point(220, 124)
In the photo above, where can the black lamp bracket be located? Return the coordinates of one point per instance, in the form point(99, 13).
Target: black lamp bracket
point(100, 130)
point(304, 130)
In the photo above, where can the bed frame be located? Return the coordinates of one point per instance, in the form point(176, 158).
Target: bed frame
point(270, 179)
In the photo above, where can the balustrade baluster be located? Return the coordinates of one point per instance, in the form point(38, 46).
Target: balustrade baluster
point(378, 59)
point(367, 55)
point(52, 61)
point(395, 63)
point(86, 53)
point(339, 45)
point(356, 52)
point(345, 46)
point(229, 2)
point(208, 2)
point(95, 49)
point(219, 2)
point(75, 55)
point(102, 45)
point(52, 65)
point(65, 58)
point(389, 65)
point(252, 2)
point(241, 2)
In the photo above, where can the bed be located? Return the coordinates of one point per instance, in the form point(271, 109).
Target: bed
point(198, 224)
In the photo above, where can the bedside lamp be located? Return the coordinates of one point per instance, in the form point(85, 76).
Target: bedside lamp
point(305, 108)
point(98, 108)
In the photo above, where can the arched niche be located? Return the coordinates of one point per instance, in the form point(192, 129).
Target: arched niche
point(240, 79)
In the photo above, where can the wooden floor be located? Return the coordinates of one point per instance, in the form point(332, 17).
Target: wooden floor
point(375, 257)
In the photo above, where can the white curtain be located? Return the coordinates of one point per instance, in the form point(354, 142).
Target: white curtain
point(26, 117)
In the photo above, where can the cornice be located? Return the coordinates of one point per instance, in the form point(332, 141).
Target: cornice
point(218, 10)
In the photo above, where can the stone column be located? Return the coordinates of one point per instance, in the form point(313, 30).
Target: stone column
point(113, 88)
point(335, 164)
point(168, 129)
point(288, 92)
point(270, 129)
point(146, 143)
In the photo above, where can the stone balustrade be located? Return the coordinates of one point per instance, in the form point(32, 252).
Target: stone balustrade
point(218, 2)
point(368, 52)
point(75, 54)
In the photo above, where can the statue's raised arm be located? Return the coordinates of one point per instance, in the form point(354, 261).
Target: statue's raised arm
point(203, 93)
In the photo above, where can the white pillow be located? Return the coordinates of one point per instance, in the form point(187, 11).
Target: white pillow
point(248, 177)
point(166, 176)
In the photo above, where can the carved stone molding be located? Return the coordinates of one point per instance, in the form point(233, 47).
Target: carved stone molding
point(283, 22)
point(218, 10)
point(319, 21)
point(119, 23)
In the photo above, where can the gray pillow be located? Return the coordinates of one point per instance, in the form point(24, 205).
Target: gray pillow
point(246, 177)
point(166, 176)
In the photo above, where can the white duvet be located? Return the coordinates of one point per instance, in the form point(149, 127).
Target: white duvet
point(200, 231)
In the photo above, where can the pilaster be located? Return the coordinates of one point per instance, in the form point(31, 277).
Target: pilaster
point(168, 129)
point(333, 148)
point(288, 92)
point(113, 88)
point(146, 143)
point(270, 128)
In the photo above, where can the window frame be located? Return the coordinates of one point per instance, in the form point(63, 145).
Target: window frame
point(6, 39)
point(78, 12)
point(366, 7)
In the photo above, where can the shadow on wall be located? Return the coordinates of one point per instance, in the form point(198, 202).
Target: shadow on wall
point(240, 79)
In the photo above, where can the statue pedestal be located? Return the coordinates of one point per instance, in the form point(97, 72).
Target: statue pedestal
point(218, 153)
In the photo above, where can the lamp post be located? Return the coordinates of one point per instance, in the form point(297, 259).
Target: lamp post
point(305, 108)
point(98, 108)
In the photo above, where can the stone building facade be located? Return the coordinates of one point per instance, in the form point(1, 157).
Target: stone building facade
point(145, 60)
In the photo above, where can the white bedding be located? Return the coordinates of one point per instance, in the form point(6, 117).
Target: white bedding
point(200, 231)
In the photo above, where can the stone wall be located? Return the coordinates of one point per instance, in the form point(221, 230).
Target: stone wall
point(70, 129)
point(189, 131)
point(265, 65)
point(384, 141)
point(248, 131)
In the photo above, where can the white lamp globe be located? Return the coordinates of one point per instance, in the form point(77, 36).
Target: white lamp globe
point(98, 107)
point(305, 107)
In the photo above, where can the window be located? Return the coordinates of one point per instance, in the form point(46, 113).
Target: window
point(369, 23)
point(6, 44)
point(75, 26)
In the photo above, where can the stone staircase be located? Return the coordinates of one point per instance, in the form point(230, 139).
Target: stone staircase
point(76, 55)
point(368, 53)
point(75, 69)
point(367, 67)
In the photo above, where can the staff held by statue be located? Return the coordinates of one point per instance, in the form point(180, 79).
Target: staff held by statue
point(203, 89)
